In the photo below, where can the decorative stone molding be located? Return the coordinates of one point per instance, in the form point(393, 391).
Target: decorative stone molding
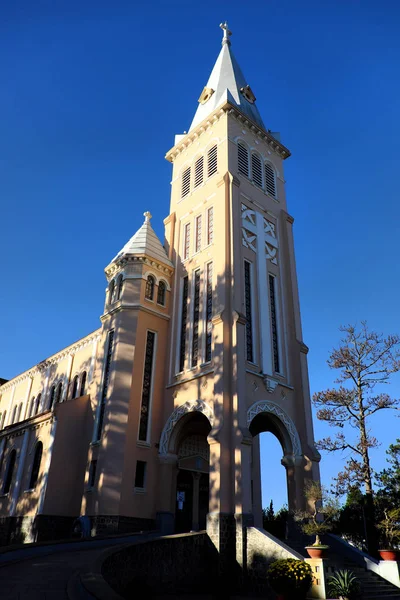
point(52, 360)
point(125, 261)
point(178, 413)
point(270, 384)
point(272, 408)
point(249, 239)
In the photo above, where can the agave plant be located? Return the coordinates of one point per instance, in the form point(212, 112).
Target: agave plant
point(343, 585)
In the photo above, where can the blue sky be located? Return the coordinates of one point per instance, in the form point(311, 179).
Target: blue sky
point(92, 95)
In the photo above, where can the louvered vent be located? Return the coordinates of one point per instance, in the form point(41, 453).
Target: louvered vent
point(185, 182)
point(212, 161)
point(270, 180)
point(198, 171)
point(256, 170)
point(243, 160)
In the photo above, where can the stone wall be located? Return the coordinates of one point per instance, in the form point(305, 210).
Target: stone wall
point(108, 524)
point(175, 564)
point(262, 550)
point(42, 528)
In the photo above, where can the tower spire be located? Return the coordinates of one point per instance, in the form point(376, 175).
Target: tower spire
point(227, 34)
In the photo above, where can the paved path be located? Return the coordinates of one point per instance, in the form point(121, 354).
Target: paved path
point(42, 572)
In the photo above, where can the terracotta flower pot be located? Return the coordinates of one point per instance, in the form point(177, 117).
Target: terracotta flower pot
point(389, 554)
point(316, 551)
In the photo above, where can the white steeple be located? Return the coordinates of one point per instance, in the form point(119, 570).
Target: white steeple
point(227, 83)
point(145, 242)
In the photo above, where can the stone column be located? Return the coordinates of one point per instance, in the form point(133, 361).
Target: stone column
point(165, 516)
point(294, 466)
point(47, 466)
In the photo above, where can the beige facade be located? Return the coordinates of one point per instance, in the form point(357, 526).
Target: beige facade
point(200, 349)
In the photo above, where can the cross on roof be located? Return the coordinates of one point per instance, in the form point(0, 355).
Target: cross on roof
point(227, 33)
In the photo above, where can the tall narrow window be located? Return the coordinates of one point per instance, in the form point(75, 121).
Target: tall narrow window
point(198, 171)
point(14, 414)
point(120, 286)
point(37, 405)
point(36, 465)
point(185, 189)
point(92, 473)
point(140, 475)
point(3, 422)
point(149, 293)
point(198, 234)
point(274, 322)
point(111, 292)
point(9, 472)
point(182, 347)
point(209, 291)
point(243, 159)
point(106, 381)
point(58, 393)
point(161, 293)
point(196, 318)
point(52, 396)
point(256, 170)
point(270, 180)
point(19, 413)
point(146, 388)
point(32, 407)
point(212, 163)
point(74, 387)
point(248, 307)
point(186, 241)
point(83, 383)
point(210, 225)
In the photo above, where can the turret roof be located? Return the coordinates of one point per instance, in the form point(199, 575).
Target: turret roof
point(227, 83)
point(146, 242)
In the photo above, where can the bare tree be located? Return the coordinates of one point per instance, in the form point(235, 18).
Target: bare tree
point(365, 359)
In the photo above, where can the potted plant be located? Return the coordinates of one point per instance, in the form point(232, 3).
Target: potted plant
point(290, 578)
point(343, 585)
point(390, 528)
point(319, 520)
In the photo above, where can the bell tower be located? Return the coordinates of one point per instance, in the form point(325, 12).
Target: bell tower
point(238, 363)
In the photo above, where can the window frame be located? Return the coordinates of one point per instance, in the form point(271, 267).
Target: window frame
point(33, 481)
point(164, 297)
point(153, 285)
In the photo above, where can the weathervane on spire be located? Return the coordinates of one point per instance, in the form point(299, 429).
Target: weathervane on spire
point(227, 33)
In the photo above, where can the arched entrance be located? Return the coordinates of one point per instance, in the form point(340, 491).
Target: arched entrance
point(185, 437)
point(269, 417)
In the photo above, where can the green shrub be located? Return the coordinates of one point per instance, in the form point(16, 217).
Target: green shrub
point(343, 584)
point(290, 576)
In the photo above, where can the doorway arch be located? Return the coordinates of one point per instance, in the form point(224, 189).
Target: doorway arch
point(184, 437)
point(266, 416)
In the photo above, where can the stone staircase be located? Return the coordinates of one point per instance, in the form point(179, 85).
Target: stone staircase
point(373, 587)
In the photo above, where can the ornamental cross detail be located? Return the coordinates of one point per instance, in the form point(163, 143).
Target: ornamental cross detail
point(227, 33)
point(250, 232)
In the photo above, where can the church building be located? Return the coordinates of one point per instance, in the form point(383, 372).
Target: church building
point(153, 420)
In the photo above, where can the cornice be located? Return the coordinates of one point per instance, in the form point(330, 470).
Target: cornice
point(129, 306)
point(52, 360)
point(213, 118)
point(120, 264)
point(17, 429)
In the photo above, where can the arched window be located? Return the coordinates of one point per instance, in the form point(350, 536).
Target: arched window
point(19, 413)
point(212, 161)
point(36, 465)
point(14, 415)
point(185, 189)
point(161, 293)
point(120, 286)
point(111, 292)
point(149, 294)
point(52, 395)
point(243, 159)
point(270, 182)
point(58, 393)
point(74, 387)
point(32, 407)
point(37, 405)
point(9, 472)
point(83, 383)
point(256, 170)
